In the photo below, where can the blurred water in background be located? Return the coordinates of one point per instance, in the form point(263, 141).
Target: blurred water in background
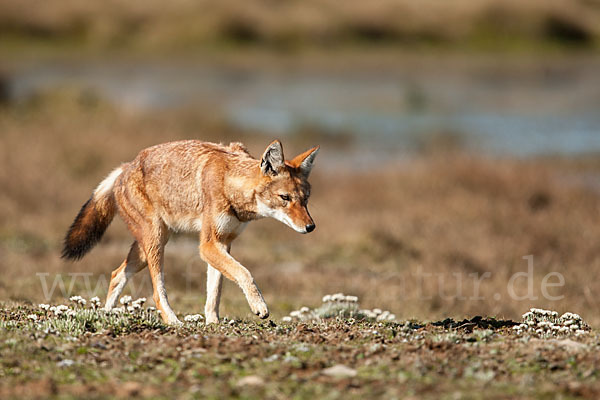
point(514, 108)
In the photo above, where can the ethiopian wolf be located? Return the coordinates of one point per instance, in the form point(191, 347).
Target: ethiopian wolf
point(194, 186)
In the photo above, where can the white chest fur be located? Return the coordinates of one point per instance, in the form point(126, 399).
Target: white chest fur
point(188, 223)
point(227, 224)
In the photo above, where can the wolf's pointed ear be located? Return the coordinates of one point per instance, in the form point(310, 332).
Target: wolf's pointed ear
point(272, 160)
point(304, 162)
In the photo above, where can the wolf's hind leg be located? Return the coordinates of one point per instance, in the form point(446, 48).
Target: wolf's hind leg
point(154, 247)
point(134, 263)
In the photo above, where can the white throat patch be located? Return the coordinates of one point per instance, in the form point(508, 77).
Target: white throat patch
point(227, 224)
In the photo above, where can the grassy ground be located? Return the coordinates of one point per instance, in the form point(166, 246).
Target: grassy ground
point(334, 358)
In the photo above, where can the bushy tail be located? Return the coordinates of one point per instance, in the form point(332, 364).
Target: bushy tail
point(93, 219)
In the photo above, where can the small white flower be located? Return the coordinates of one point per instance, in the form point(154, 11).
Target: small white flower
point(338, 297)
point(60, 309)
point(304, 309)
point(95, 302)
point(327, 298)
point(232, 322)
point(295, 314)
point(130, 309)
point(32, 317)
point(286, 319)
point(125, 300)
point(541, 312)
point(352, 299)
point(151, 308)
point(193, 318)
point(138, 303)
point(368, 313)
point(44, 307)
point(117, 310)
point(70, 313)
point(580, 332)
point(570, 315)
point(377, 311)
point(391, 317)
point(78, 300)
point(383, 316)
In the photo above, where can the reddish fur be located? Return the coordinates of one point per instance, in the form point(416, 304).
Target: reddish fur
point(177, 184)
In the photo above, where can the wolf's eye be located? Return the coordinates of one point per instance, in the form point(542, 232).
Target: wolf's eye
point(285, 197)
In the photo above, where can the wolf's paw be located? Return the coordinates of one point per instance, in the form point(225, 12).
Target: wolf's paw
point(172, 320)
point(211, 318)
point(260, 309)
point(258, 306)
point(256, 301)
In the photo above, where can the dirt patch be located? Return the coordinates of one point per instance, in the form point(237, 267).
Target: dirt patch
point(475, 322)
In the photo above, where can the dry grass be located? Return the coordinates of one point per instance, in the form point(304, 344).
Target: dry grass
point(156, 24)
point(377, 230)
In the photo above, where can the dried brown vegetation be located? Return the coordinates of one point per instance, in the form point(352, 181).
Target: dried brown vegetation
point(379, 231)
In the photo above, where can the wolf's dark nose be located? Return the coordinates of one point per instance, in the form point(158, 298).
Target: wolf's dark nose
point(310, 228)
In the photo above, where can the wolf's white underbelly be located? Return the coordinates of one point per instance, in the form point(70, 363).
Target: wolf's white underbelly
point(190, 223)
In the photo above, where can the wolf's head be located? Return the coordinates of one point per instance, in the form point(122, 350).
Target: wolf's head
point(285, 190)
